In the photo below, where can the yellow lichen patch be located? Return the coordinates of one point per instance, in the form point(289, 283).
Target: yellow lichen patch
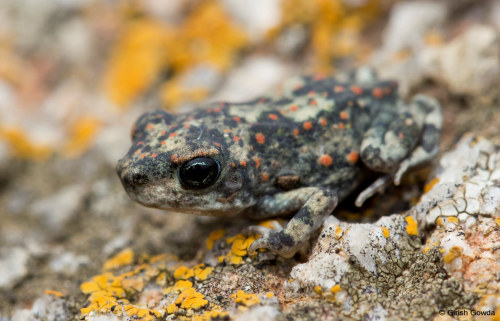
point(453, 253)
point(206, 36)
point(334, 26)
point(412, 227)
point(188, 299)
point(239, 249)
point(497, 221)
point(336, 288)
point(201, 273)
point(82, 134)
point(246, 299)
point(439, 221)
point(110, 293)
point(318, 289)
point(385, 232)
point(214, 236)
point(338, 232)
point(21, 146)
point(183, 273)
point(270, 223)
point(136, 60)
point(179, 286)
point(125, 257)
point(172, 93)
point(431, 184)
point(426, 249)
point(212, 315)
point(55, 293)
point(453, 219)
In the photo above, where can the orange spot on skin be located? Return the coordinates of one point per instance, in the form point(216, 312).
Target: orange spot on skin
point(217, 110)
point(163, 142)
point(186, 126)
point(325, 160)
point(216, 144)
point(357, 90)
point(322, 121)
point(377, 92)
point(236, 138)
point(137, 152)
point(307, 125)
point(237, 119)
point(294, 108)
point(344, 115)
point(140, 143)
point(273, 116)
point(143, 155)
point(233, 165)
point(353, 157)
point(338, 89)
point(341, 125)
point(318, 76)
point(261, 139)
point(257, 161)
point(226, 130)
point(295, 132)
point(264, 177)
point(311, 93)
point(149, 126)
point(401, 136)
point(172, 134)
point(283, 111)
point(154, 155)
point(243, 163)
point(313, 102)
point(163, 132)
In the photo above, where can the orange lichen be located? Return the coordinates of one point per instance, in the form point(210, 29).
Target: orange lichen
point(214, 236)
point(206, 36)
point(81, 136)
point(183, 273)
point(431, 184)
point(454, 253)
point(246, 299)
point(22, 146)
point(336, 288)
point(385, 232)
point(125, 257)
point(334, 26)
point(212, 315)
point(188, 299)
point(411, 227)
point(136, 60)
point(55, 293)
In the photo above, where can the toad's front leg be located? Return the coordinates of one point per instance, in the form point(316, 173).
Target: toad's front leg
point(311, 205)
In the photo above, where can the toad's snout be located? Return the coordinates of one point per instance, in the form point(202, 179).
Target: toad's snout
point(132, 178)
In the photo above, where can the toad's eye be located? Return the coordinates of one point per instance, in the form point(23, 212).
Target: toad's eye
point(199, 173)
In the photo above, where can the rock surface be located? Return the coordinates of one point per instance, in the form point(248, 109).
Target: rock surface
point(75, 75)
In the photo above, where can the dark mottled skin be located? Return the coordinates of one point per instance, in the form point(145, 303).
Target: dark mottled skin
point(297, 151)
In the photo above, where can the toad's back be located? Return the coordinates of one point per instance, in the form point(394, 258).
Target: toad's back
point(309, 133)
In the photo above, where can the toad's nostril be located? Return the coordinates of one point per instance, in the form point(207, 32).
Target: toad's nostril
point(138, 179)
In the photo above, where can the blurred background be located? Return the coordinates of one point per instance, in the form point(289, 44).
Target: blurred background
point(75, 75)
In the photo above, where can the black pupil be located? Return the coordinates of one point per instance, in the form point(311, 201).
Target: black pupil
point(199, 173)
